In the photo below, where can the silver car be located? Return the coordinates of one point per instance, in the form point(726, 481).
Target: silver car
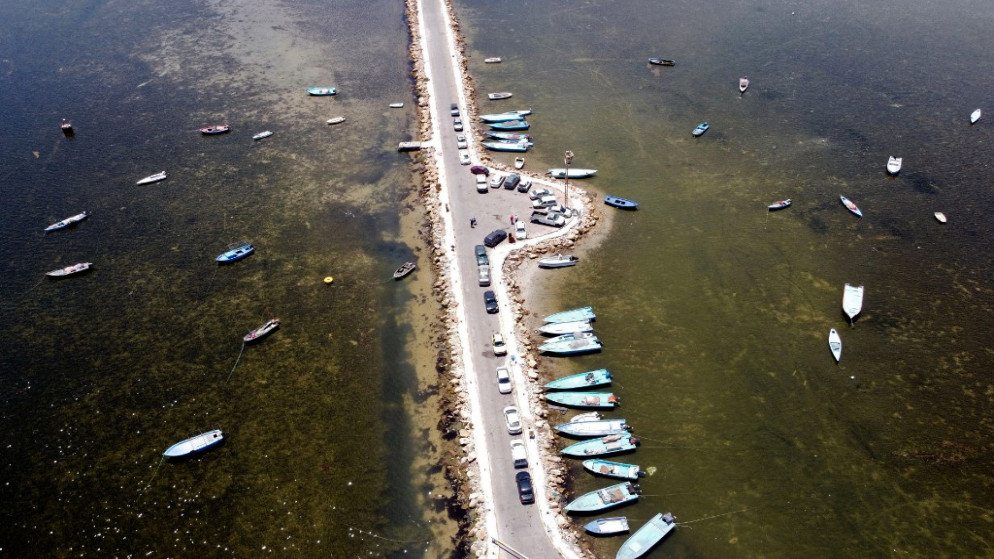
point(461, 141)
point(513, 420)
point(463, 157)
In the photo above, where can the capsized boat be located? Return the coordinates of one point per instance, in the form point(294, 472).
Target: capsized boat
point(519, 147)
point(779, 205)
point(69, 270)
point(941, 217)
point(510, 125)
point(621, 203)
point(67, 222)
point(319, 91)
point(262, 135)
point(593, 428)
point(508, 136)
point(852, 301)
point(851, 206)
point(405, 269)
point(195, 444)
point(499, 95)
point(584, 399)
point(582, 313)
point(560, 328)
point(607, 468)
point(835, 344)
point(607, 526)
point(589, 379)
point(215, 129)
point(560, 173)
point(238, 252)
point(557, 261)
point(975, 116)
point(700, 129)
point(894, 165)
point(743, 84)
point(161, 175)
point(262, 331)
point(608, 444)
point(662, 61)
point(602, 499)
point(646, 537)
point(571, 347)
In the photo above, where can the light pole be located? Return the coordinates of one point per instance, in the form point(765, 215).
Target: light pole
point(568, 158)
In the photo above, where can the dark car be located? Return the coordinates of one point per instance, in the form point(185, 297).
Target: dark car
point(525, 491)
point(454, 109)
point(479, 170)
point(512, 181)
point(490, 301)
point(481, 256)
point(495, 238)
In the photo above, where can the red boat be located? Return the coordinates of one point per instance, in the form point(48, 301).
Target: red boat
point(216, 129)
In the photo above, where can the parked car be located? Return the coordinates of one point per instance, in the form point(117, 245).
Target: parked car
point(495, 238)
point(513, 420)
point(483, 275)
point(526, 493)
point(481, 184)
point(496, 181)
point(490, 301)
point(463, 157)
point(461, 142)
point(503, 380)
point(552, 219)
point(454, 109)
point(518, 455)
point(525, 186)
point(497, 340)
point(479, 170)
point(481, 255)
point(519, 230)
point(457, 124)
point(545, 202)
point(512, 181)
point(536, 194)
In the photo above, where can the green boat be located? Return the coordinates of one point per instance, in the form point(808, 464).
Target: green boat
point(602, 499)
point(611, 444)
point(613, 469)
point(584, 399)
point(646, 537)
point(589, 379)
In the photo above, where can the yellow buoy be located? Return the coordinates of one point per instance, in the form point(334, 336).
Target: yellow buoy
point(329, 279)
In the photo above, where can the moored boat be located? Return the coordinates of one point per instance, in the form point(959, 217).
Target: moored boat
point(519, 147)
point(571, 347)
point(215, 129)
point(404, 269)
point(584, 399)
point(582, 313)
point(492, 60)
point(560, 173)
point(941, 217)
point(571, 336)
point(588, 379)
point(237, 252)
point(646, 537)
point(262, 135)
point(852, 301)
point(70, 270)
point(835, 344)
point(585, 416)
point(851, 206)
point(319, 91)
point(509, 125)
point(396, 105)
point(609, 497)
point(607, 468)
point(607, 526)
point(593, 428)
point(336, 120)
point(67, 222)
point(603, 446)
point(700, 129)
point(499, 95)
point(519, 162)
point(504, 117)
point(779, 205)
point(195, 444)
point(560, 328)
point(557, 261)
point(262, 331)
point(161, 175)
point(975, 116)
point(661, 61)
point(508, 136)
point(743, 84)
point(621, 203)
point(894, 165)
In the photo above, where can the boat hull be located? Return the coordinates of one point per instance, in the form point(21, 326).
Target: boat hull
point(835, 344)
point(161, 175)
point(510, 125)
point(589, 400)
point(779, 205)
point(195, 444)
point(851, 206)
point(607, 526)
point(646, 537)
point(603, 499)
point(235, 254)
point(661, 61)
point(582, 313)
point(70, 270)
point(262, 331)
point(852, 301)
point(621, 203)
point(560, 173)
point(321, 91)
point(571, 347)
point(520, 147)
point(67, 222)
point(604, 446)
point(262, 135)
point(557, 261)
point(616, 470)
point(593, 428)
point(590, 379)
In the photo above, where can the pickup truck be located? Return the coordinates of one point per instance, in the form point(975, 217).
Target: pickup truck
point(551, 219)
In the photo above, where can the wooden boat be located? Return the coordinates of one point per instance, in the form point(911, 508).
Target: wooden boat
point(571, 347)
point(396, 105)
point(262, 135)
point(336, 120)
point(497, 145)
point(743, 84)
point(319, 91)
point(519, 162)
point(66, 126)
point(262, 331)
point(67, 222)
point(701, 129)
point(852, 301)
point(560, 328)
point(499, 95)
point(850, 206)
point(196, 444)
point(215, 129)
point(589, 379)
point(593, 428)
point(69, 270)
point(646, 537)
point(894, 165)
point(779, 205)
point(602, 499)
point(508, 136)
point(503, 117)
point(557, 261)
point(607, 526)
point(584, 399)
point(510, 125)
point(582, 313)
point(662, 61)
point(586, 416)
point(603, 446)
point(161, 175)
point(975, 116)
point(835, 344)
point(621, 203)
point(560, 173)
point(236, 253)
point(492, 60)
point(607, 468)
point(940, 216)
point(405, 269)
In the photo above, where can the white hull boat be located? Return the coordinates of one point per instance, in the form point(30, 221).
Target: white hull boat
point(835, 344)
point(560, 173)
point(192, 445)
point(262, 331)
point(519, 162)
point(557, 261)
point(67, 222)
point(262, 135)
point(975, 116)
point(743, 84)
point(894, 165)
point(852, 301)
point(336, 120)
point(492, 60)
point(69, 270)
point(941, 217)
point(560, 328)
point(160, 176)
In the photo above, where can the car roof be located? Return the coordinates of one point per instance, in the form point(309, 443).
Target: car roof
point(522, 475)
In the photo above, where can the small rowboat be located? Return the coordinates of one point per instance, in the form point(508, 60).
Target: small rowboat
point(850, 206)
point(192, 445)
point(701, 129)
point(499, 95)
point(509, 136)
point(560, 173)
point(405, 269)
point(161, 175)
point(396, 105)
point(611, 496)
point(492, 60)
point(607, 468)
point(779, 205)
point(336, 120)
point(67, 222)
point(646, 537)
point(621, 203)
point(835, 344)
point(940, 216)
point(519, 162)
point(852, 301)
point(240, 251)
point(662, 61)
point(557, 261)
point(215, 129)
point(975, 116)
point(69, 270)
point(262, 135)
point(262, 331)
point(320, 91)
point(497, 145)
point(66, 126)
point(607, 526)
point(743, 84)
point(894, 165)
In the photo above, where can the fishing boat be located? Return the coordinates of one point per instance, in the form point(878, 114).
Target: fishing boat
point(237, 252)
point(319, 91)
point(519, 147)
point(510, 125)
point(589, 379)
point(405, 269)
point(941, 217)
point(336, 120)
point(603, 446)
point(557, 261)
point(852, 301)
point(602, 499)
point(69, 270)
point(835, 344)
point(743, 84)
point(161, 175)
point(701, 129)
point(560, 173)
point(974, 116)
point(560, 328)
point(67, 222)
point(66, 126)
point(584, 399)
point(646, 537)
point(593, 428)
point(396, 105)
point(607, 468)
point(779, 205)
point(894, 165)
point(582, 313)
point(519, 162)
point(585, 416)
point(621, 203)
point(492, 60)
point(508, 136)
point(262, 331)
point(504, 117)
point(851, 206)
point(571, 347)
point(196, 444)
point(571, 336)
point(607, 526)
point(662, 61)
point(499, 95)
point(215, 129)
point(262, 135)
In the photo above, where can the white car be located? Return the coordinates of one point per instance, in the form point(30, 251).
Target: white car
point(461, 141)
point(503, 380)
point(545, 202)
point(464, 157)
point(500, 348)
point(518, 455)
point(519, 230)
point(536, 194)
point(513, 420)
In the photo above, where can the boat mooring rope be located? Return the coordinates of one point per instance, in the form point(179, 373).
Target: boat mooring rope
point(159, 465)
point(236, 362)
point(713, 516)
point(210, 283)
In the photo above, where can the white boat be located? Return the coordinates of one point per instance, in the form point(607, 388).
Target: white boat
point(499, 95)
point(835, 344)
point(975, 116)
point(940, 216)
point(189, 446)
point(560, 173)
point(557, 261)
point(262, 331)
point(396, 105)
point(262, 135)
point(67, 222)
point(492, 60)
point(160, 176)
point(586, 416)
point(852, 301)
point(336, 120)
point(894, 165)
point(743, 84)
point(519, 162)
point(560, 328)
point(69, 270)
point(607, 526)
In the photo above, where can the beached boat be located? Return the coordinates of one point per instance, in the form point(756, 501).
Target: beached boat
point(492, 60)
point(975, 116)
point(405, 269)
point(67, 222)
point(336, 120)
point(586, 416)
point(262, 135)
point(593, 428)
point(852, 301)
point(582, 313)
point(589, 379)
point(662, 61)
point(240, 250)
point(508, 136)
point(621, 203)
point(215, 129)
point(646, 537)
point(319, 91)
point(510, 125)
point(700, 129)
point(603, 446)
point(835, 344)
point(743, 84)
point(69, 270)
point(941, 217)
point(602, 499)
point(396, 105)
point(560, 328)
point(499, 95)
point(607, 526)
point(779, 205)
point(584, 399)
point(560, 173)
point(502, 117)
point(262, 331)
point(557, 261)
point(161, 175)
point(894, 165)
point(851, 206)
point(519, 162)
point(196, 444)
point(617, 470)
point(571, 347)
point(519, 147)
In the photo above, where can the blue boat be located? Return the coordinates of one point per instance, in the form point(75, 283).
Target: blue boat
point(622, 203)
point(611, 444)
point(582, 313)
point(646, 537)
point(589, 379)
point(237, 253)
point(509, 136)
point(609, 497)
point(593, 428)
point(571, 347)
point(607, 468)
point(507, 146)
point(195, 444)
point(510, 125)
point(318, 91)
point(503, 117)
point(701, 128)
point(584, 399)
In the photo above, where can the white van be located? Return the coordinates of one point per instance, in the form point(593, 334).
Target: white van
point(518, 455)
